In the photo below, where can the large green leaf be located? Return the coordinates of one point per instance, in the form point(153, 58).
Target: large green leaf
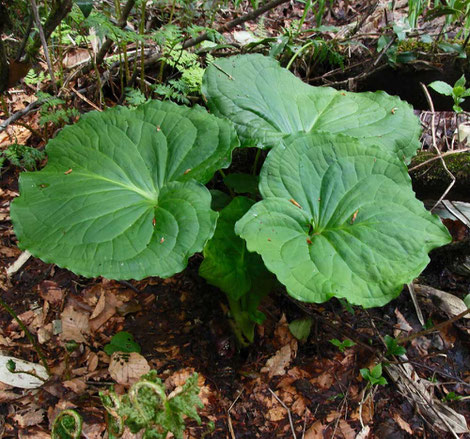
point(227, 263)
point(266, 102)
point(339, 219)
point(119, 196)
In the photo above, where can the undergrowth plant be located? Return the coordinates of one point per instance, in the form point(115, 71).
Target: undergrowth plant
point(333, 214)
point(145, 409)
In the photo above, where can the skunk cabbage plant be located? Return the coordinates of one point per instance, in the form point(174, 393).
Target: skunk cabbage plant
point(241, 275)
point(339, 218)
point(122, 195)
point(267, 102)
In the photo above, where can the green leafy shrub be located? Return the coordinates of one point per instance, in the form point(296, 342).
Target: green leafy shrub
point(22, 156)
point(123, 193)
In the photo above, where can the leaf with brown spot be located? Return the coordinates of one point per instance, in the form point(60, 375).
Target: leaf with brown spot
point(75, 325)
point(127, 368)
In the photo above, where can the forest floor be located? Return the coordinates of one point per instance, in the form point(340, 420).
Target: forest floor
point(278, 387)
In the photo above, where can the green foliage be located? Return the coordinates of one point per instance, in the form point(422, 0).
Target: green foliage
point(374, 376)
point(67, 425)
point(85, 6)
point(22, 156)
point(300, 328)
point(121, 342)
point(342, 345)
point(146, 407)
point(346, 215)
point(393, 348)
point(126, 191)
point(53, 111)
point(458, 92)
point(241, 275)
point(33, 78)
point(134, 97)
point(267, 103)
point(242, 183)
point(451, 397)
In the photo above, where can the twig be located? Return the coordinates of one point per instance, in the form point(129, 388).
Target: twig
point(37, 19)
point(434, 144)
point(229, 418)
point(14, 117)
point(84, 98)
point(231, 24)
point(16, 266)
point(288, 413)
point(434, 328)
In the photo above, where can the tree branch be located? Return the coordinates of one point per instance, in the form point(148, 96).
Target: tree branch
point(231, 24)
point(56, 15)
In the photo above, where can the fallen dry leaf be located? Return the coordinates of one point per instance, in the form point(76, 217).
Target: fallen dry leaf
point(278, 363)
point(104, 310)
point(402, 423)
point(77, 385)
point(51, 292)
point(29, 418)
point(75, 325)
point(346, 430)
point(127, 368)
point(315, 431)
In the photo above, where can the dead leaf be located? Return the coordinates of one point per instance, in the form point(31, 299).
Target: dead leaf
point(402, 325)
point(9, 252)
point(99, 306)
point(402, 423)
point(277, 364)
point(127, 368)
point(77, 385)
point(450, 304)
point(29, 418)
point(346, 430)
point(325, 380)
point(315, 431)
point(417, 390)
point(34, 433)
point(92, 361)
point(75, 325)
point(51, 292)
point(104, 310)
point(276, 413)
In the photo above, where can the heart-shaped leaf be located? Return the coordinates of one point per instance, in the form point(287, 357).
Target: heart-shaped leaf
point(339, 219)
point(119, 196)
point(267, 102)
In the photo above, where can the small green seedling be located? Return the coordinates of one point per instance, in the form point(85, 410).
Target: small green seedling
point(451, 397)
point(300, 328)
point(458, 92)
point(342, 345)
point(122, 342)
point(393, 348)
point(374, 376)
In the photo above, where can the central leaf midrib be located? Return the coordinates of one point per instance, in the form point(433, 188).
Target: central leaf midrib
point(151, 196)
